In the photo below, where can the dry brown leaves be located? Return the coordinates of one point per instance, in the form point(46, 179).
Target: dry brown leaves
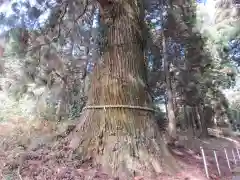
point(28, 151)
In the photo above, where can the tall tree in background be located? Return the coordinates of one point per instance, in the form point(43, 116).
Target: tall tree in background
point(220, 31)
point(172, 124)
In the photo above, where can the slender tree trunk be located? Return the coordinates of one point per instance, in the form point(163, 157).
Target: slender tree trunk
point(125, 141)
point(188, 117)
point(61, 110)
point(172, 131)
point(198, 119)
point(2, 44)
point(204, 132)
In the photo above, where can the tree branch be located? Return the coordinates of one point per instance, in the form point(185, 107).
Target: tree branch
point(58, 75)
point(86, 3)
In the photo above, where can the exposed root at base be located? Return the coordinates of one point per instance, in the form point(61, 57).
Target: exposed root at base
point(123, 154)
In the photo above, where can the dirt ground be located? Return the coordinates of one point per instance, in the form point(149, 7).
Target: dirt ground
point(28, 152)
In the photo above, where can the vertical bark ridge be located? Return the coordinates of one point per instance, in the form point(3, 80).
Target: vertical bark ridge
point(124, 141)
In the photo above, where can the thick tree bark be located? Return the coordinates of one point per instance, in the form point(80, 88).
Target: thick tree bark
point(125, 141)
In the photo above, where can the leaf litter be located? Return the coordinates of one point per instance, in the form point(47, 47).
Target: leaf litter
point(28, 152)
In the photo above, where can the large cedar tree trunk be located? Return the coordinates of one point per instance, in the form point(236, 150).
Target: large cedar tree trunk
point(125, 141)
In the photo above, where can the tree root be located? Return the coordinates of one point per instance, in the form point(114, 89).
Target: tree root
point(124, 152)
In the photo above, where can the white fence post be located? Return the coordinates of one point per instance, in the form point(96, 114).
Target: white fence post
point(227, 159)
point(234, 157)
point(216, 159)
point(204, 162)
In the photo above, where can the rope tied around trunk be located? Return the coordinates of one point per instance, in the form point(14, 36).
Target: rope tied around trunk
point(119, 106)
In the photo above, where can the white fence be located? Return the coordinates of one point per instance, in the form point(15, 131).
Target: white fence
point(235, 158)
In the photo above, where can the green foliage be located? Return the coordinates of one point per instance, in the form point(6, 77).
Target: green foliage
point(76, 109)
point(49, 54)
point(10, 108)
